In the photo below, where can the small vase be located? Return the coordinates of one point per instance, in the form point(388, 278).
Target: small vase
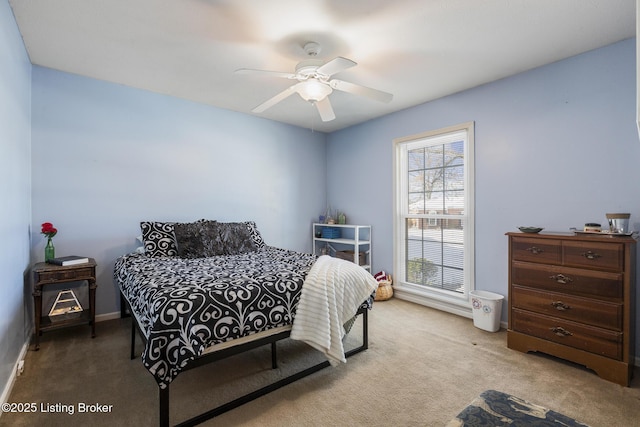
point(49, 251)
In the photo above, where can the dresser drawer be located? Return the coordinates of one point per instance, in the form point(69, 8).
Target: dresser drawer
point(588, 338)
point(536, 250)
point(595, 255)
point(584, 310)
point(572, 281)
point(66, 275)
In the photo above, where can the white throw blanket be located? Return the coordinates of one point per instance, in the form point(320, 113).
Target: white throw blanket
point(331, 295)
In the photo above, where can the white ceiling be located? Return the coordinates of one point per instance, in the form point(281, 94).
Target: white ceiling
point(418, 50)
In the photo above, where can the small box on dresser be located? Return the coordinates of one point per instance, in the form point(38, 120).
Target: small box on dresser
point(573, 297)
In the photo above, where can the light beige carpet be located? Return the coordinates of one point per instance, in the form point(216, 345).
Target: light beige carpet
point(422, 368)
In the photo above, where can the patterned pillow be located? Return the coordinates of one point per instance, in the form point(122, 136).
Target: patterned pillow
point(210, 237)
point(255, 234)
point(236, 238)
point(159, 239)
point(189, 240)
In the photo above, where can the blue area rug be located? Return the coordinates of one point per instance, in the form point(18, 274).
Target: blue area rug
point(493, 409)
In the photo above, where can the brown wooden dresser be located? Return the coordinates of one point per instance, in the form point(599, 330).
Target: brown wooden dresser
point(573, 297)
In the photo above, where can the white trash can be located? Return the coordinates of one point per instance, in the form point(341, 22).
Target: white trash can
point(487, 310)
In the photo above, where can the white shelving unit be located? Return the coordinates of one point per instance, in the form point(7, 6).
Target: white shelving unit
point(348, 237)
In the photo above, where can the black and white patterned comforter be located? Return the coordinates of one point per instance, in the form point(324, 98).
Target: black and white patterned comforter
point(186, 305)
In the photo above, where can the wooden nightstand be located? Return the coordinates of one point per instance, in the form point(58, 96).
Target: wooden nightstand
point(48, 274)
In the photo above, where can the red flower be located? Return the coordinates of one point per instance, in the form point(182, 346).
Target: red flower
point(48, 230)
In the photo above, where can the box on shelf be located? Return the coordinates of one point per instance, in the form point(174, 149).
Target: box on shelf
point(331, 233)
point(65, 307)
point(348, 255)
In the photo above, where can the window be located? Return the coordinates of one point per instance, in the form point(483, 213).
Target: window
point(433, 216)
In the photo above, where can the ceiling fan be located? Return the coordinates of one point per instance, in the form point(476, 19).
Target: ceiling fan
point(315, 83)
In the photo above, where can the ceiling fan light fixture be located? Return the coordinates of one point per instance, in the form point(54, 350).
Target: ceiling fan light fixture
point(313, 90)
point(315, 83)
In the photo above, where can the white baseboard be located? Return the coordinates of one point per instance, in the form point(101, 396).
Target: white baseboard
point(107, 316)
point(417, 298)
point(12, 379)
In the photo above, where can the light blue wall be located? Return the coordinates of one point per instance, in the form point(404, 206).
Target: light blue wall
point(556, 147)
point(106, 157)
point(15, 192)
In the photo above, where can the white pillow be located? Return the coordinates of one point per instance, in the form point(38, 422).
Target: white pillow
point(140, 249)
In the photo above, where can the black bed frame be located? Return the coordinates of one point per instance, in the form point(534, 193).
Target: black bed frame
point(228, 352)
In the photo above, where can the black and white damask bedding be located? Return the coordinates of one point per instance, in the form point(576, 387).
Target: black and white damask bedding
point(197, 285)
point(185, 305)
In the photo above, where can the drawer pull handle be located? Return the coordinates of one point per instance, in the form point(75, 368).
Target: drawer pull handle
point(591, 255)
point(561, 332)
point(535, 250)
point(561, 278)
point(560, 306)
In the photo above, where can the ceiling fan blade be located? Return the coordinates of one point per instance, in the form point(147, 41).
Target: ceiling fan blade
point(335, 66)
point(361, 90)
point(325, 110)
point(265, 73)
point(273, 101)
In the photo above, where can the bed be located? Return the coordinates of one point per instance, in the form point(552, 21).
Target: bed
point(202, 291)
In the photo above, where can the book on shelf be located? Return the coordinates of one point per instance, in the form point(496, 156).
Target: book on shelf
point(68, 260)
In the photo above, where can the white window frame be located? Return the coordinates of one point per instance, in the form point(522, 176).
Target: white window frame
point(455, 302)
